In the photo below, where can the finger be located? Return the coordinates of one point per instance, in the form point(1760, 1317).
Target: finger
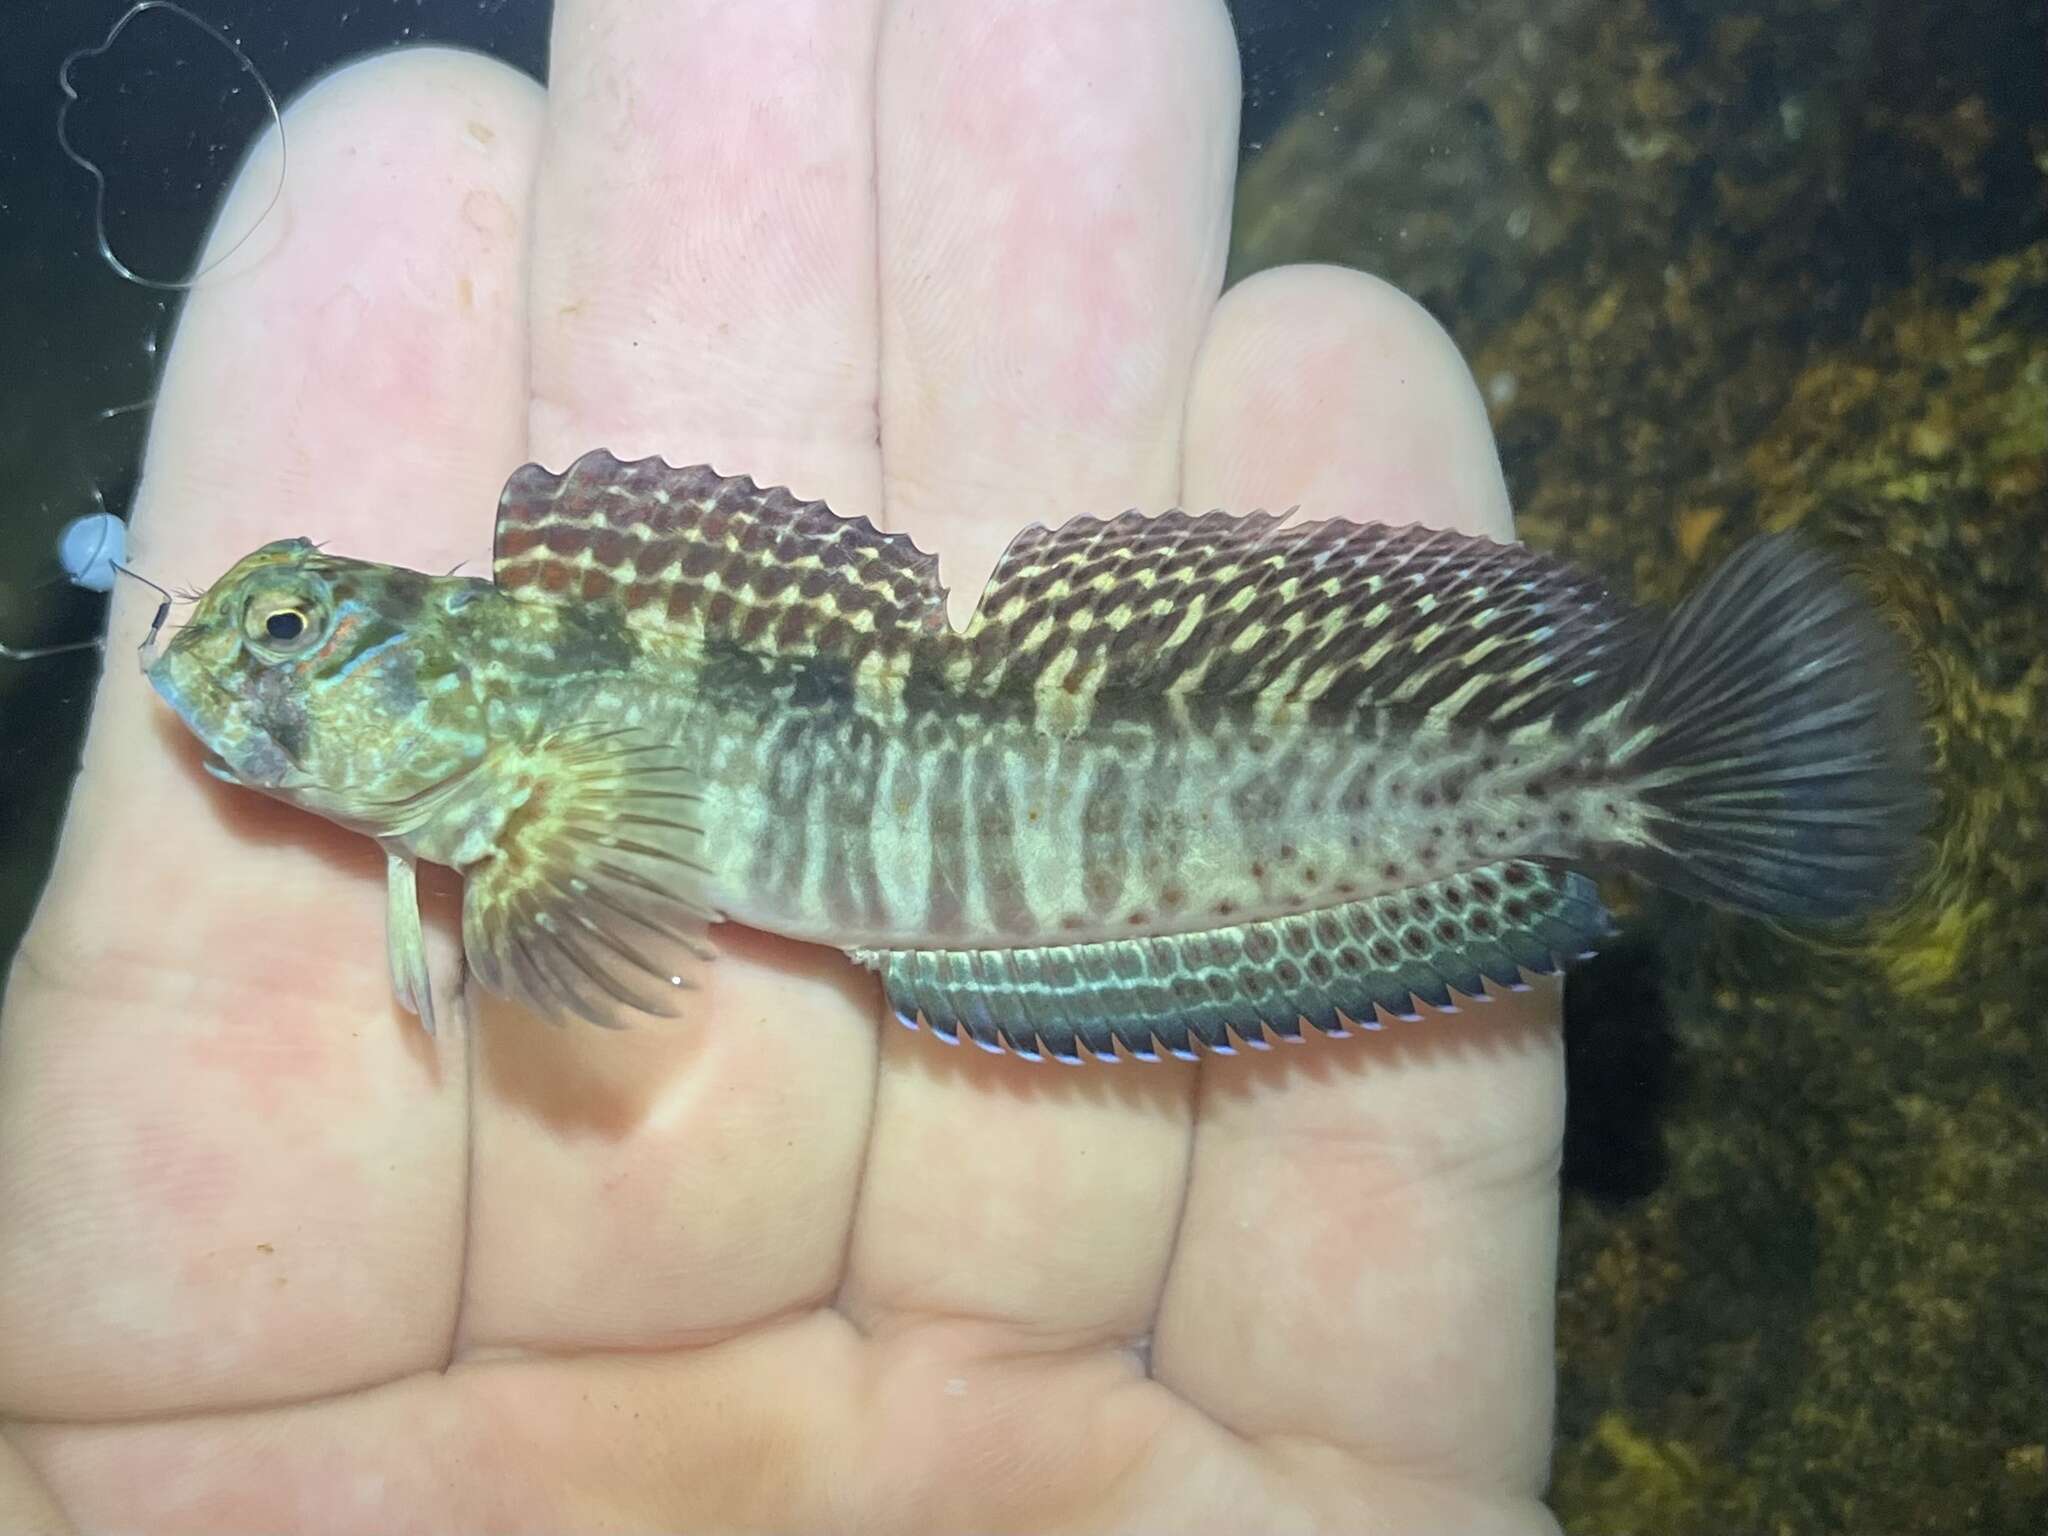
point(703, 289)
point(26, 1507)
point(1362, 410)
point(704, 273)
point(1400, 1188)
point(208, 1101)
point(1055, 190)
point(1055, 193)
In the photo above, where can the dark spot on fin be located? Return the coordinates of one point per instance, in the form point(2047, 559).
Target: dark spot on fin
point(1178, 994)
point(712, 557)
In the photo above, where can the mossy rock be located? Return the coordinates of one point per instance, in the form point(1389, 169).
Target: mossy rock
point(1720, 269)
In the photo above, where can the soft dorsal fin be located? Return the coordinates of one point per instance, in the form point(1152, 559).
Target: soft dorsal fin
point(1342, 614)
point(713, 558)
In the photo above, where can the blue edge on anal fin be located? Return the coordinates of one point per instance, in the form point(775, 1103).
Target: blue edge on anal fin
point(1000, 1000)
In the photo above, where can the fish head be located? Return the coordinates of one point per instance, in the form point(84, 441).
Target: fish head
point(323, 681)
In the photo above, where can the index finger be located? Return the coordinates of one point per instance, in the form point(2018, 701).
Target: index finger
point(703, 289)
point(201, 1052)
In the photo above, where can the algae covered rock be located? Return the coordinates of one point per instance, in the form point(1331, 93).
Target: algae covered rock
point(1723, 268)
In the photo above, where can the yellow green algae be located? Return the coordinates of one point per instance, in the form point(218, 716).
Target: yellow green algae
point(1721, 268)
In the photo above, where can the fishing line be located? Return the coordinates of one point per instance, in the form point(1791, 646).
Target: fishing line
point(147, 650)
point(94, 549)
point(99, 180)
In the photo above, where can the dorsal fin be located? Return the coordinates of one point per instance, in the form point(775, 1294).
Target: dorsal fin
point(1338, 614)
point(713, 558)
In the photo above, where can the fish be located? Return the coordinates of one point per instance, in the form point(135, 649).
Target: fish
point(1184, 783)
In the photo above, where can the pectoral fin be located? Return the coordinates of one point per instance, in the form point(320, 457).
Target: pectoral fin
point(593, 903)
point(404, 940)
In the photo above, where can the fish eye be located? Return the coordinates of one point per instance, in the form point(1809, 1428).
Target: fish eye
point(283, 623)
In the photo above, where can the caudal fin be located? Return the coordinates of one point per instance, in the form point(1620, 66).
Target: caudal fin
point(1776, 742)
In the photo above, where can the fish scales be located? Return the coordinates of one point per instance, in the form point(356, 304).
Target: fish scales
point(831, 820)
point(1183, 781)
point(718, 561)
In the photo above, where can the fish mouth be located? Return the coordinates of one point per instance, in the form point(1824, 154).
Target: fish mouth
point(258, 762)
point(238, 751)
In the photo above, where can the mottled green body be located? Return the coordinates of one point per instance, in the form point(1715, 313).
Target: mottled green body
point(831, 826)
point(1182, 778)
point(1150, 725)
point(844, 819)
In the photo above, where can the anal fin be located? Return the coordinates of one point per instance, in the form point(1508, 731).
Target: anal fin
point(1185, 993)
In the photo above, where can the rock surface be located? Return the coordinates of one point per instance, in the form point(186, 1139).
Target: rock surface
point(1722, 268)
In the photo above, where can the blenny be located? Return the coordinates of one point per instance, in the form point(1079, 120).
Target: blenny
point(1183, 782)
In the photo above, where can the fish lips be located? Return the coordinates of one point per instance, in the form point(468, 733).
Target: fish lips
point(239, 751)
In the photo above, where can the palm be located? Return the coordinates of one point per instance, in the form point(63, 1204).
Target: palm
point(271, 1258)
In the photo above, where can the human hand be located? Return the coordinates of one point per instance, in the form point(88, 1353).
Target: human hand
point(272, 1259)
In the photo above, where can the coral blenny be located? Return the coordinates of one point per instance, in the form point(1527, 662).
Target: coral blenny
point(1183, 781)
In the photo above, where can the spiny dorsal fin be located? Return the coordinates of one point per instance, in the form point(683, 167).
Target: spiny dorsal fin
point(713, 558)
point(1338, 614)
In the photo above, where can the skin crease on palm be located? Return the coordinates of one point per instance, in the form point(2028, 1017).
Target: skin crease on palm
point(272, 1259)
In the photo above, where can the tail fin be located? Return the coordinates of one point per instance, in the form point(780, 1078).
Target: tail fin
point(1781, 761)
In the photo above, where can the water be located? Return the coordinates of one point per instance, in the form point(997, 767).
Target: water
point(1715, 269)
point(167, 114)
